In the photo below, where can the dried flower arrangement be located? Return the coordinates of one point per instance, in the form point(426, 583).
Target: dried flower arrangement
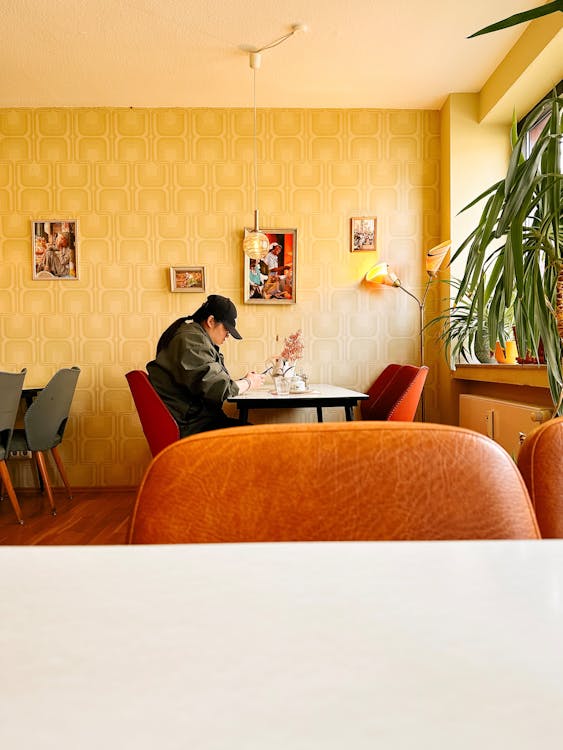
point(282, 363)
point(293, 347)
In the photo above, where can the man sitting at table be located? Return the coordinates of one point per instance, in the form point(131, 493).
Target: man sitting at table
point(189, 373)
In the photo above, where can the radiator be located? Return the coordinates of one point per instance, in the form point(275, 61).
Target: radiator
point(506, 422)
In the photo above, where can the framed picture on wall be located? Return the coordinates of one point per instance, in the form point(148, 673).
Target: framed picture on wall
point(271, 280)
point(187, 279)
point(363, 235)
point(54, 249)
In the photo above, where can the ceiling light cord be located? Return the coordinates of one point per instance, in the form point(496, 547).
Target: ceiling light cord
point(255, 61)
point(294, 29)
point(255, 143)
point(275, 43)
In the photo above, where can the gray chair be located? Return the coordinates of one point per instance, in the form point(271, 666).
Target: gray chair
point(11, 384)
point(44, 425)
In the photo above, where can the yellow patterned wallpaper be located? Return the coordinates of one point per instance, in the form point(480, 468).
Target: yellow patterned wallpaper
point(152, 188)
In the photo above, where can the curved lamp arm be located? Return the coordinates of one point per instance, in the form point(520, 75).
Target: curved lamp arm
point(383, 274)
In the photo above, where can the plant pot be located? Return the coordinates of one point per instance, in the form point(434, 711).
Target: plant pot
point(483, 350)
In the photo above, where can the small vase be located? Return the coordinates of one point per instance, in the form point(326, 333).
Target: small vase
point(289, 370)
point(499, 354)
point(506, 356)
point(511, 353)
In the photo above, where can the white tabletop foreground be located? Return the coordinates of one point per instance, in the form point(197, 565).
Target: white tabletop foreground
point(441, 645)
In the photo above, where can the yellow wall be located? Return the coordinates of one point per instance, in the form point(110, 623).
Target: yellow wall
point(529, 71)
point(474, 156)
point(155, 188)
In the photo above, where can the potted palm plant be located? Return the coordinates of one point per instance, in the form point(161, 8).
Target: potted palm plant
point(514, 256)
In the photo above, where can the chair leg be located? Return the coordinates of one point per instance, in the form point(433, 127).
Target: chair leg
point(62, 472)
point(42, 467)
point(7, 482)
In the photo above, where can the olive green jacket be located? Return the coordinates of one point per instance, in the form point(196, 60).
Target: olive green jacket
point(191, 378)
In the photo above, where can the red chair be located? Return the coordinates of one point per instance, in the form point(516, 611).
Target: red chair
point(158, 424)
point(395, 394)
point(376, 389)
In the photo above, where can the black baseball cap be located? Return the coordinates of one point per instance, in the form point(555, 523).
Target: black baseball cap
point(224, 311)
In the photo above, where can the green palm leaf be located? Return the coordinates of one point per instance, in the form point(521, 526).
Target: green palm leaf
point(524, 17)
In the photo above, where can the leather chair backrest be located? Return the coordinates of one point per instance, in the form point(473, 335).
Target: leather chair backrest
point(540, 461)
point(399, 397)
point(159, 426)
point(377, 388)
point(331, 482)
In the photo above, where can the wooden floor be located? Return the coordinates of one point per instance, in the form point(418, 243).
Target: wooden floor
point(93, 516)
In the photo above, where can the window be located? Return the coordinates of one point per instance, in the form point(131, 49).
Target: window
point(535, 131)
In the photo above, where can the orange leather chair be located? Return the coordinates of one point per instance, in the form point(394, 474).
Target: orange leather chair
point(159, 426)
point(540, 461)
point(395, 394)
point(332, 481)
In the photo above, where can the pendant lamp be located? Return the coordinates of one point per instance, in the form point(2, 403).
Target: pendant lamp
point(256, 244)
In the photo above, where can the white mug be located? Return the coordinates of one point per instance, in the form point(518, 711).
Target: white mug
point(297, 384)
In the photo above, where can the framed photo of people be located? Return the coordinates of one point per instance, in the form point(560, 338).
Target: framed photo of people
point(187, 279)
point(363, 234)
point(271, 280)
point(54, 249)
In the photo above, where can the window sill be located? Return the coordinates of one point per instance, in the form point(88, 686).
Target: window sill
point(534, 376)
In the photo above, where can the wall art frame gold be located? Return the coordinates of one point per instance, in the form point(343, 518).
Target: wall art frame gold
point(363, 234)
point(54, 247)
point(187, 279)
point(272, 280)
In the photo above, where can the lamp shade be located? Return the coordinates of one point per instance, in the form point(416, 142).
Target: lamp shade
point(382, 274)
point(256, 244)
point(435, 257)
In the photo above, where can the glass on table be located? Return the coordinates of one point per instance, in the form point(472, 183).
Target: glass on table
point(282, 385)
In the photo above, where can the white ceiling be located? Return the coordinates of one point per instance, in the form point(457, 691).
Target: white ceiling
point(172, 53)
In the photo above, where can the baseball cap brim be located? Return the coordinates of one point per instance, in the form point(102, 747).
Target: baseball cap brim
point(232, 330)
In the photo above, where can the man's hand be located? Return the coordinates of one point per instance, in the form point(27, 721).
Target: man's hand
point(255, 379)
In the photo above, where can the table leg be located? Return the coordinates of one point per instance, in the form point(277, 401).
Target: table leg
point(243, 414)
point(349, 415)
point(319, 413)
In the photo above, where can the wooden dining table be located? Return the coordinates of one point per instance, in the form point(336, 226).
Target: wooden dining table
point(318, 396)
point(331, 645)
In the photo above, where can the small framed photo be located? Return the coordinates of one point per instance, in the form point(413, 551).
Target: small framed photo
point(271, 280)
point(54, 249)
point(187, 279)
point(363, 234)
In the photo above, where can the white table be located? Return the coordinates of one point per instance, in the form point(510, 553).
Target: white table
point(394, 645)
point(318, 396)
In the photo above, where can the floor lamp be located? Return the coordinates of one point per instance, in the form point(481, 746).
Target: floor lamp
point(383, 274)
